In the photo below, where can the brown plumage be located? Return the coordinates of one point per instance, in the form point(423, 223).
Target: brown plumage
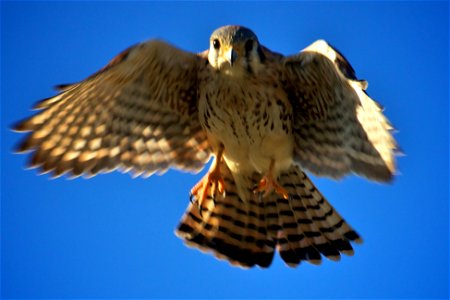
point(246, 232)
point(263, 117)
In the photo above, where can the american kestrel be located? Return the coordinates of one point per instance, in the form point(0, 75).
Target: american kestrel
point(262, 116)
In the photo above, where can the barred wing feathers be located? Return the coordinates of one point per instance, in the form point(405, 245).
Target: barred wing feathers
point(138, 113)
point(338, 128)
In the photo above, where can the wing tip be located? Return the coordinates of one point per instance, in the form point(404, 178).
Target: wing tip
point(63, 86)
point(323, 47)
point(21, 126)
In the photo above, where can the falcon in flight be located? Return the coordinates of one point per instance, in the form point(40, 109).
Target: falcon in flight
point(263, 117)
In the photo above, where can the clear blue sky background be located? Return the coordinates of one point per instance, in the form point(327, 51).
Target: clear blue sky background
point(112, 236)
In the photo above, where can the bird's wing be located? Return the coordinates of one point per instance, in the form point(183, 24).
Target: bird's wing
point(338, 128)
point(138, 113)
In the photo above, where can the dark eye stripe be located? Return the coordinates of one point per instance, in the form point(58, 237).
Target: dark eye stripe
point(248, 46)
point(261, 55)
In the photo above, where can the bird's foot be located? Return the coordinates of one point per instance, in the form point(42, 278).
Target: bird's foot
point(268, 184)
point(208, 185)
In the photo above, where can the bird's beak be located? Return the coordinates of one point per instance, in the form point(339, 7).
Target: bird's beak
point(231, 56)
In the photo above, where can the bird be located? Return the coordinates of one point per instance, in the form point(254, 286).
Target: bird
point(262, 118)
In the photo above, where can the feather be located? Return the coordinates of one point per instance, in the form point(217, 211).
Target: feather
point(138, 113)
point(337, 127)
point(246, 233)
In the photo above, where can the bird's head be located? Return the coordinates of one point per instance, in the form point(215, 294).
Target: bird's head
point(235, 50)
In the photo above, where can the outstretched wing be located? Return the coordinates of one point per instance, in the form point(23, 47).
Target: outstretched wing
point(338, 128)
point(138, 113)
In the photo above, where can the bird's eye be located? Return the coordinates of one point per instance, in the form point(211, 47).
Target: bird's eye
point(216, 44)
point(248, 46)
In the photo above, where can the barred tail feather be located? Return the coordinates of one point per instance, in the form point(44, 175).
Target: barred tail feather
point(246, 233)
point(322, 231)
point(229, 227)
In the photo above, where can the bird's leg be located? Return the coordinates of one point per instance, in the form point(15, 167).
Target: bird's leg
point(210, 183)
point(268, 184)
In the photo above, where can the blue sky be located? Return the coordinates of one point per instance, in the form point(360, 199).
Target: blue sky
point(112, 236)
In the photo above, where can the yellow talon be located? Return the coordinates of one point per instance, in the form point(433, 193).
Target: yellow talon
point(268, 184)
point(210, 183)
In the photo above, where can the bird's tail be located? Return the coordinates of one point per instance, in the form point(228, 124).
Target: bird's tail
point(246, 233)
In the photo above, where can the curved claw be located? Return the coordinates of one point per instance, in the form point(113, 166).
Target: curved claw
point(209, 184)
point(194, 201)
point(268, 184)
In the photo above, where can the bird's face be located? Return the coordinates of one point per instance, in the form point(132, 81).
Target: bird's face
point(235, 50)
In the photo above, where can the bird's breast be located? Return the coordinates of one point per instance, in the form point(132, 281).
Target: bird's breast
point(251, 119)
